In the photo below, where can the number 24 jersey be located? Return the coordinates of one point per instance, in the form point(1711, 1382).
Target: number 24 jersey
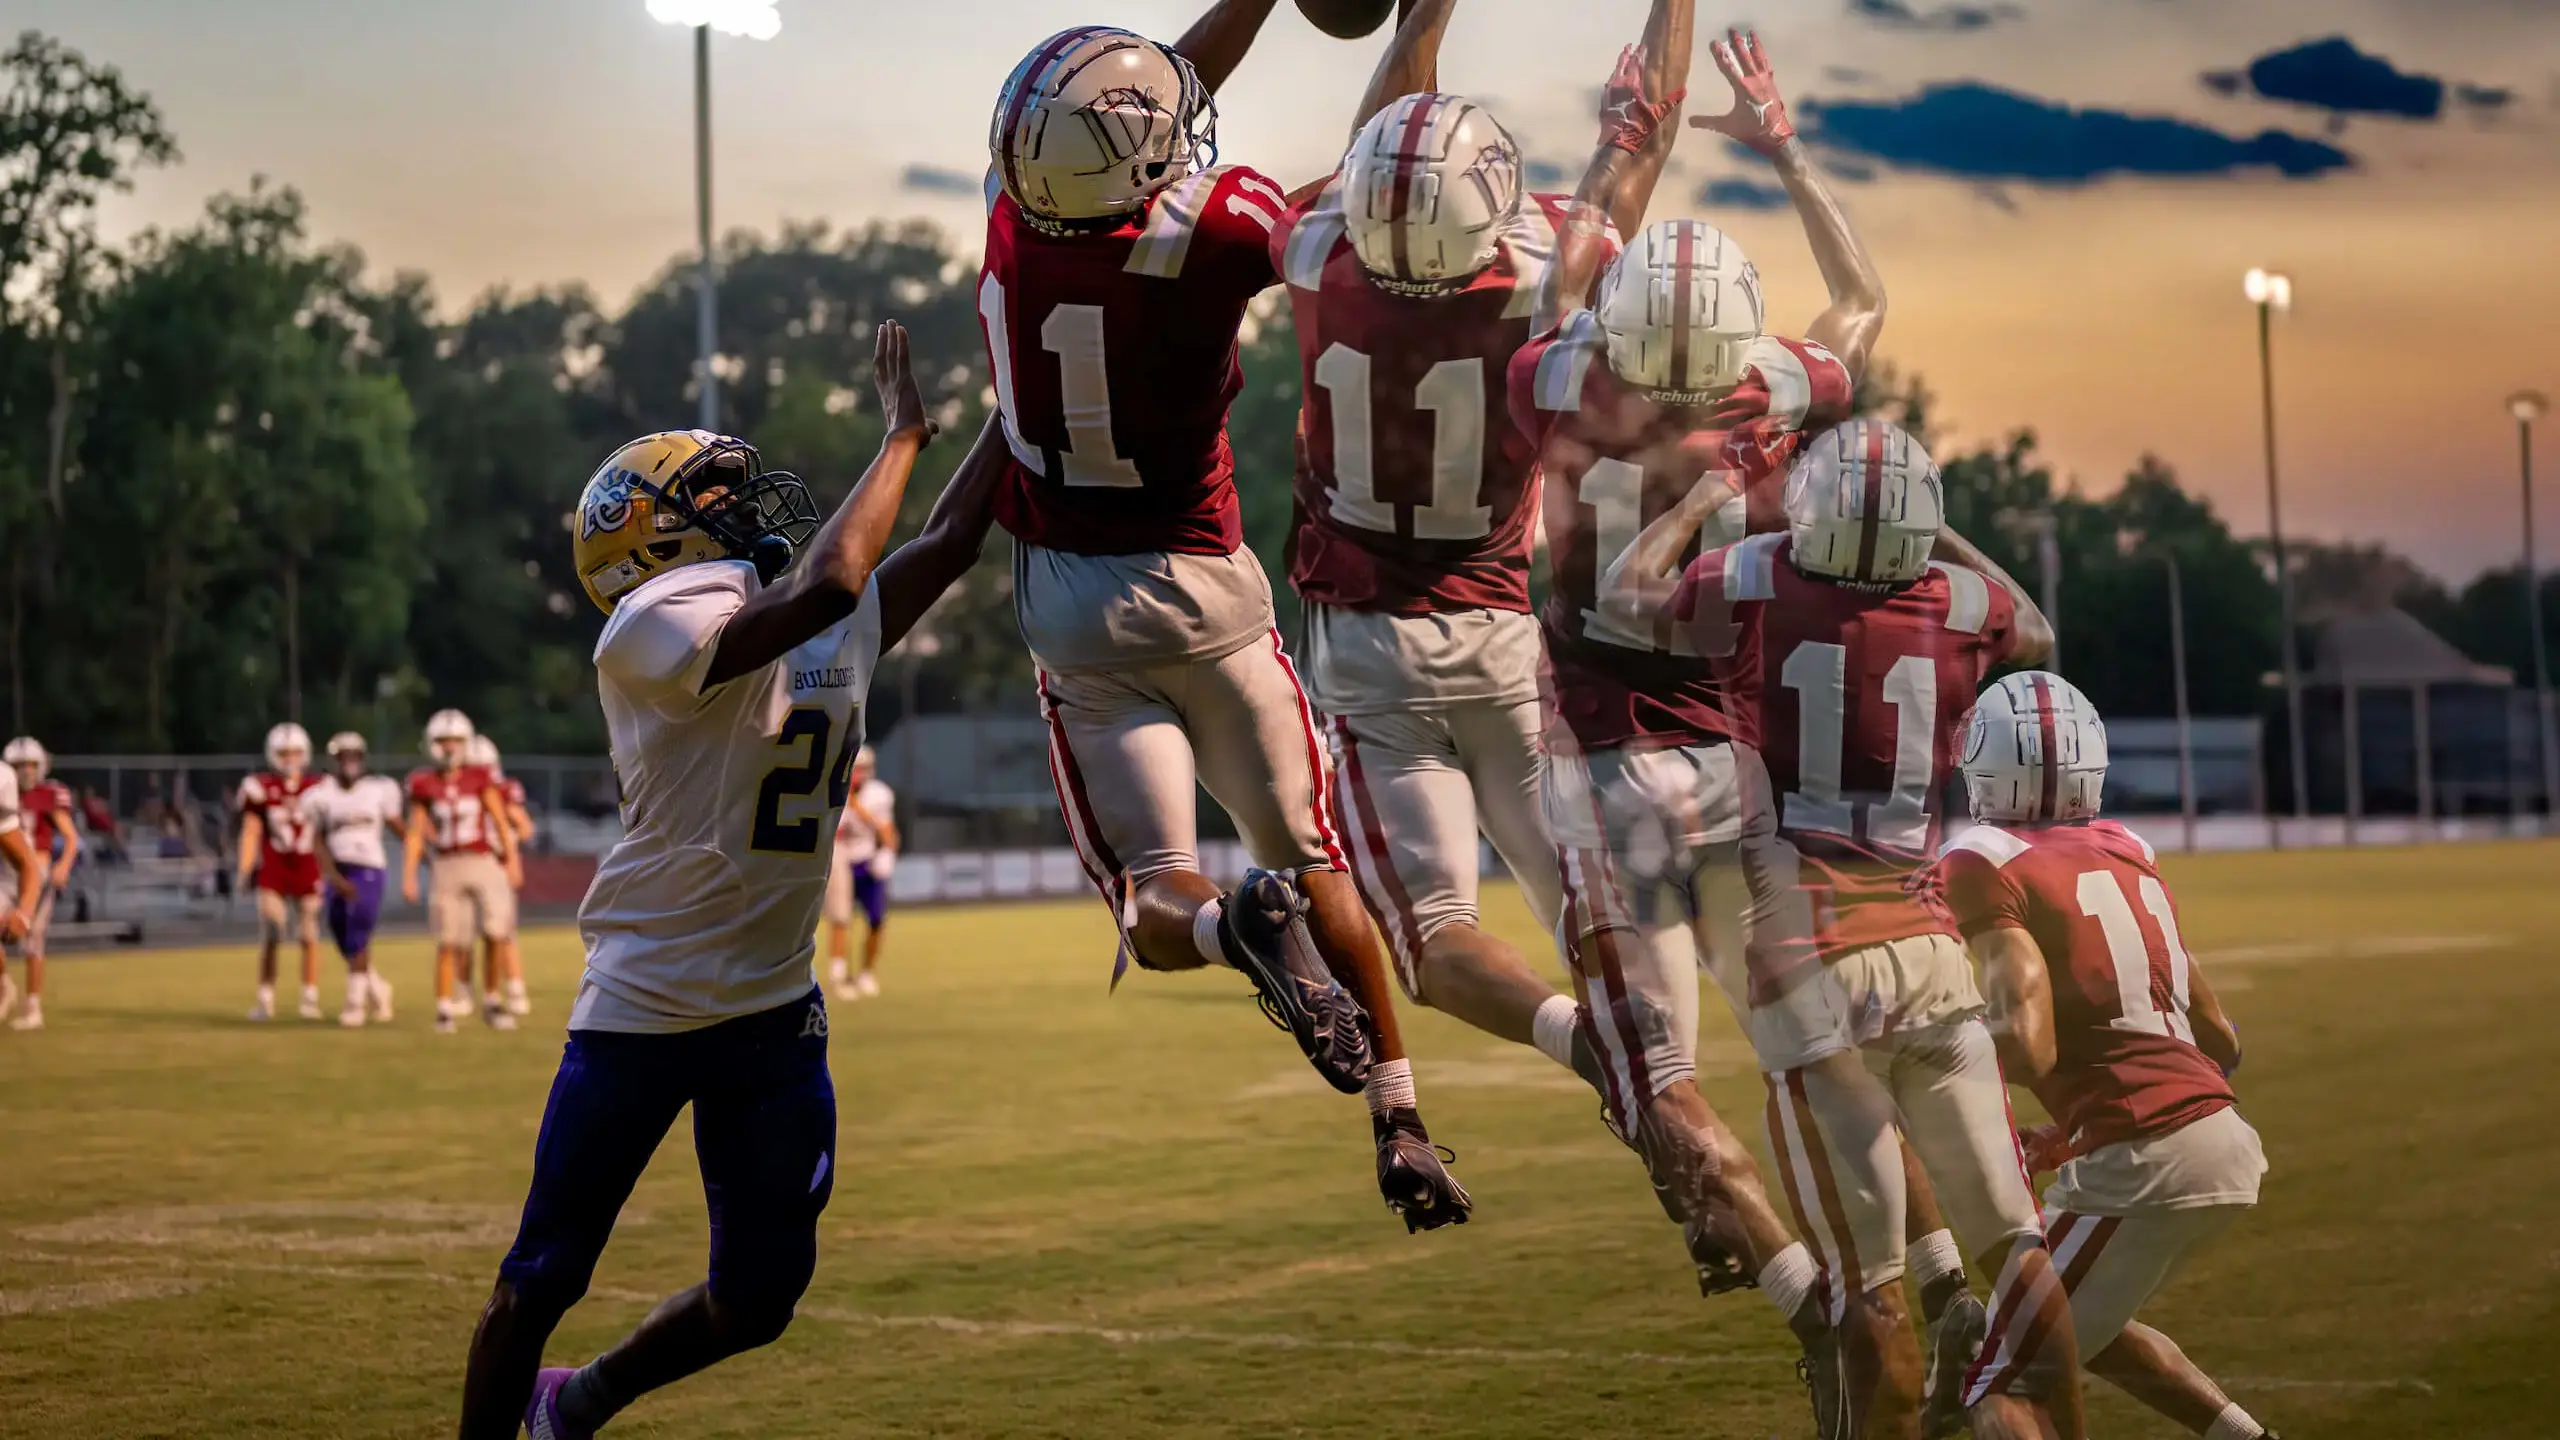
point(708, 905)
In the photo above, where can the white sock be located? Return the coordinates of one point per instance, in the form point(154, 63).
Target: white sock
point(1789, 1278)
point(2233, 1424)
point(1551, 1029)
point(515, 986)
point(266, 997)
point(1204, 932)
point(1934, 1257)
point(1390, 1086)
point(310, 994)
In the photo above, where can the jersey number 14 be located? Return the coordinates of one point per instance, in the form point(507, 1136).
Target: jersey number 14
point(805, 730)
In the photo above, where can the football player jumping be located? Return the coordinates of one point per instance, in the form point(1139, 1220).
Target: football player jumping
point(2096, 1004)
point(741, 640)
point(1119, 262)
point(1412, 276)
point(1843, 647)
point(1661, 404)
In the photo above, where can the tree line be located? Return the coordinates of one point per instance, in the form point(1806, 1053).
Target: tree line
point(245, 479)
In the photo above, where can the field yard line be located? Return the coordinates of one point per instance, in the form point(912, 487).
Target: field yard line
point(2367, 947)
point(48, 1299)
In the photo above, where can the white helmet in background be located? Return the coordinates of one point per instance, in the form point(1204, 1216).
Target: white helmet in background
point(288, 739)
point(27, 750)
point(346, 743)
point(482, 751)
point(1097, 119)
point(2035, 753)
point(1680, 306)
point(1427, 187)
point(1864, 504)
point(449, 734)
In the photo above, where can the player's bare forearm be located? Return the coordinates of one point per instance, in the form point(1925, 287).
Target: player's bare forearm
point(502, 836)
point(1855, 318)
point(1412, 62)
point(828, 585)
point(21, 856)
point(1667, 34)
point(2216, 1036)
point(2019, 995)
point(1583, 245)
point(954, 536)
point(1216, 42)
point(70, 856)
point(252, 834)
point(2031, 634)
point(1661, 548)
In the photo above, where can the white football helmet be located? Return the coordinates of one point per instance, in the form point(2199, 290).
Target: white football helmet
point(1864, 504)
point(288, 747)
point(347, 742)
point(2035, 753)
point(449, 734)
point(1427, 187)
point(25, 751)
point(1680, 306)
point(1095, 120)
point(482, 751)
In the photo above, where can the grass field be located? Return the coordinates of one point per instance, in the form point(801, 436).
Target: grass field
point(1065, 1213)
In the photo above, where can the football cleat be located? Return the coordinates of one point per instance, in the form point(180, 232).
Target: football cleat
point(263, 1011)
point(495, 1016)
point(1413, 1174)
point(30, 1016)
point(1954, 1337)
point(542, 1420)
point(1262, 927)
point(866, 985)
point(518, 1002)
point(351, 1015)
point(1826, 1387)
point(310, 1006)
point(378, 996)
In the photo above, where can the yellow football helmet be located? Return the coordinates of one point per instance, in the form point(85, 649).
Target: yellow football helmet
point(681, 497)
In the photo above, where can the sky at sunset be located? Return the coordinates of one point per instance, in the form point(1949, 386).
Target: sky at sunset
point(2062, 194)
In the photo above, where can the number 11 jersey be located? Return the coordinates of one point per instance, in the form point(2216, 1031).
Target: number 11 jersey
point(707, 906)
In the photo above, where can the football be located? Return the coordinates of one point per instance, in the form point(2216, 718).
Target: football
point(1347, 19)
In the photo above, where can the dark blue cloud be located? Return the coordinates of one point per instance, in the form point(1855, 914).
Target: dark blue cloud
point(2333, 75)
point(1981, 132)
point(1947, 19)
point(1733, 192)
point(934, 180)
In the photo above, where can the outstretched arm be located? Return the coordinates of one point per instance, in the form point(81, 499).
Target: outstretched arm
point(1412, 62)
point(1666, 73)
point(1216, 42)
point(915, 576)
point(2031, 634)
point(826, 586)
point(21, 857)
point(1759, 120)
point(1630, 118)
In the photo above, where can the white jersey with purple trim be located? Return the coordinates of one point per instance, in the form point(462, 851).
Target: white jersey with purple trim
point(707, 908)
point(350, 817)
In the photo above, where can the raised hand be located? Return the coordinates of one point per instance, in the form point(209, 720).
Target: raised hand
point(1628, 115)
point(1759, 114)
point(901, 403)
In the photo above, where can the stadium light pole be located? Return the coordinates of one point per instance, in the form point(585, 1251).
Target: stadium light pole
point(2178, 690)
point(2272, 292)
point(752, 20)
point(2527, 406)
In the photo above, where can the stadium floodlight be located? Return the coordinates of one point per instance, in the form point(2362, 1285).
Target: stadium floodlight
point(2528, 406)
point(2272, 291)
point(747, 19)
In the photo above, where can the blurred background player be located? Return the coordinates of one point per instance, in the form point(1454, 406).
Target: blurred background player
point(733, 681)
point(278, 849)
point(1412, 276)
point(457, 815)
point(1662, 399)
point(1117, 273)
point(28, 866)
point(349, 806)
point(44, 809)
point(501, 962)
point(1844, 649)
point(2098, 1006)
point(866, 854)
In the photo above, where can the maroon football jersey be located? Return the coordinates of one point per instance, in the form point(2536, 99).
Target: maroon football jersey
point(457, 804)
point(1415, 492)
point(42, 805)
point(1115, 360)
point(286, 836)
point(2126, 1066)
point(1856, 697)
point(1614, 460)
